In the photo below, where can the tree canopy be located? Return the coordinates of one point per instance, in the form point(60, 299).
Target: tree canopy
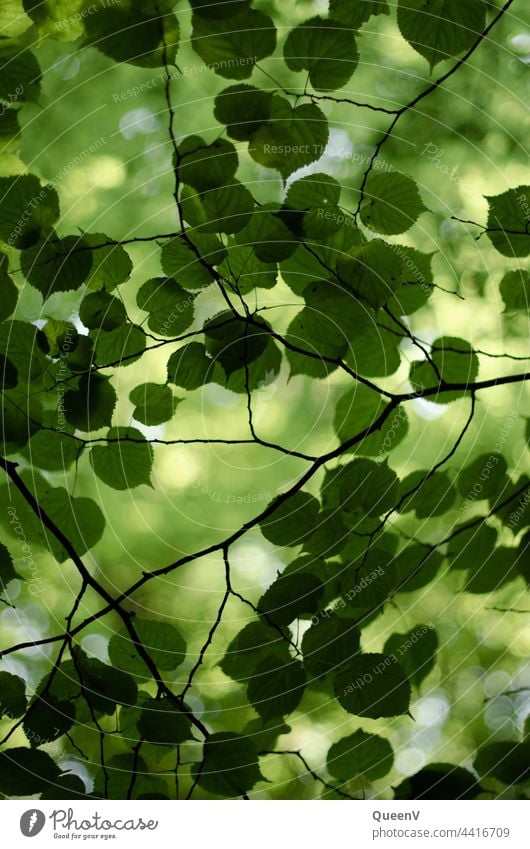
point(264, 307)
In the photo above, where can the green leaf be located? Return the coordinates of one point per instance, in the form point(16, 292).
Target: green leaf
point(269, 237)
point(454, 360)
point(116, 781)
point(91, 405)
point(180, 261)
point(232, 342)
point(27, 208)
point(498, 568)
point(125, 461)
point(24, 772)
point(67, 786)
point(21, 74)
point(243, 108)
point(229, 765)
point(415, 651)
point(190, 367)
point(56, 265)
point(372, 272)
point(324, 48)
point(7, 571)
point(226, 209)
point(360, 755)
point(111, 264)
point(104, 686)
point(416, 567)
point(232, 49)
point(52, 450)
point(439, 781)
point(147, 37)
point(470, 546)
point(289, 597)
point(506, 761)
point(101, 311)
point(483, 477)
point(48, 719)
point(206, 166)
point(8, 290)
point(12, 688)
point(293, 138)
point(314, 191)
point(80, 519)
point(367, 488)
point(275, 689)
point(292, 521)
point(509, 221)
point(170, 307)
point(515, 290)
point(252, 644)
point(154, 403)
point(416, 281)
point(329, 643)
point(358, 410)
point(373, 685)
point(391, 204)
point(122, 346)
point(60, 19)
point(162, 640)
point(246, 271)
point(431, 494)
point(441, 28)
point(354, 13)
point(163, 724)
point(255, 642)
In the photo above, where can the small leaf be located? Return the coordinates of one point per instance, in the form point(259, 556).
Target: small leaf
point(354, 14)
point(456, 362)
point(439, 781)
point(80, 519)
point(292, 521)
point(99, 310)
point(190, 367)
point(111, 264)
point(232, 49)
point(292, 138)
point(515, 290)
point(163, 724)
point(391, 203)
point(169, 306)
point(373, 685)
point(91, 405)
point(154, 403)
point(24, 772)
point(509, 221)
point(206, 166)
point(160, 639)
point(24, 193)
point(506, 761)
point(180, 261)
point(250, 646)
point(360, 755)
point(275, 689)
point(126, 461)
point(431, 494)
point(229, 765)
point(289, 597)
point(330, 643)
point(326, 49)
point(415, 651)
point(47, 720)
point(443, 28)
point(243, 108)
point(12, 688)
point(147, 37)
point(56, 265)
